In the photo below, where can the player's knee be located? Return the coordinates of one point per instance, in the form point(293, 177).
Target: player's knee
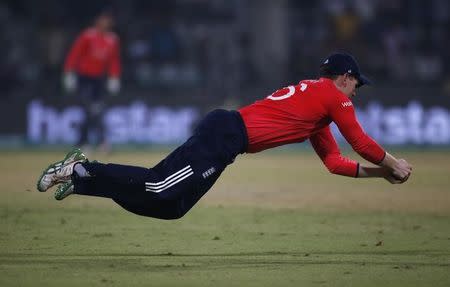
point(179, 209)
point(173, 214)
point(171, 210)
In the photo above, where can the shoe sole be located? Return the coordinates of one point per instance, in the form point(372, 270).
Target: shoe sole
point(78, 156)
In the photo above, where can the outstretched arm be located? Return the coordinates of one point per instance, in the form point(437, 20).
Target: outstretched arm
point(326, 147)
point(392, 169)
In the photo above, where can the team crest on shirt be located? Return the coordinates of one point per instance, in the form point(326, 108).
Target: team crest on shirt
point(347, 104)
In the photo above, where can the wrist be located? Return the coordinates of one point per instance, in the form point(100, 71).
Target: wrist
point(372, 171)
point(388, 161)
point(357, 170)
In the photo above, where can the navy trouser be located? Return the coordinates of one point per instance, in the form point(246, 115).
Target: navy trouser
point(174, 185)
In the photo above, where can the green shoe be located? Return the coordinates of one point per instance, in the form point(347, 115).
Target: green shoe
point(60, 171)
point(64, 190)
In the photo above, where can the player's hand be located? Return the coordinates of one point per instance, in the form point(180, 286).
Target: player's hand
point(70, 82)
point(392, 179)
point(401, 171)
point(113, 85)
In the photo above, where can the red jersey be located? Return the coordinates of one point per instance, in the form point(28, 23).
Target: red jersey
point(94, 53)
point(296, 113)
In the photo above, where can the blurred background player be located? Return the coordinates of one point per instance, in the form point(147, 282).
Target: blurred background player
point(94, 57)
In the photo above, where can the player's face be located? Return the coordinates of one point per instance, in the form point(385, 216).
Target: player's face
point(350, 83)
point(105, 22)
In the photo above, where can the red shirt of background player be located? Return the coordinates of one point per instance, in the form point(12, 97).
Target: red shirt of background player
point(94, 53)
point(304, 111)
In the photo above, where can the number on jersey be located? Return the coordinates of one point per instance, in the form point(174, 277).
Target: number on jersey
point(286, 92)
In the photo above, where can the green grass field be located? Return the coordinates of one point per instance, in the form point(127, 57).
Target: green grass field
point(273, 219)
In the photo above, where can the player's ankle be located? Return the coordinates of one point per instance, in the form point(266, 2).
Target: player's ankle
point(80, 171)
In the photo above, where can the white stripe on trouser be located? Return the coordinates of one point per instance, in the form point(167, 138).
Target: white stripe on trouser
point(171, 180)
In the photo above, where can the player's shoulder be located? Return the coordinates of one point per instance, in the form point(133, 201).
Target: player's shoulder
point(324, 90)
point(320, 87)
point(321, 82)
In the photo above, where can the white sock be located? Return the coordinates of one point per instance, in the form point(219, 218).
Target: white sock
point(80, 170)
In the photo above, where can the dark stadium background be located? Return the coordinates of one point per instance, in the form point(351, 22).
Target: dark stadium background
point(198, 55)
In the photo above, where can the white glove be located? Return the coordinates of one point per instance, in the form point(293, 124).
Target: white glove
point(70, 82)
point(113, 85)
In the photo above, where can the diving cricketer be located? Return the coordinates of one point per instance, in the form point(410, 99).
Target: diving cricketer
point(292, 114)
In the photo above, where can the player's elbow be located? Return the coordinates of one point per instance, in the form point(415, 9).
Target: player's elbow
point(332, 167)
